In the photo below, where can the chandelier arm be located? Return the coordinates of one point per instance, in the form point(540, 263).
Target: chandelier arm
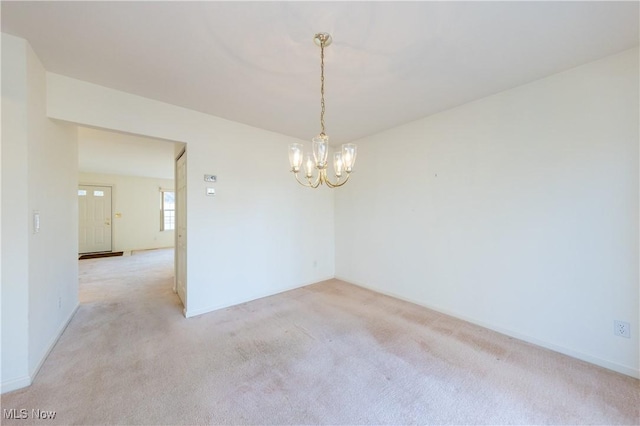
point(317, 182)
point(338, 184)
point(322, 176)
point(308, 185)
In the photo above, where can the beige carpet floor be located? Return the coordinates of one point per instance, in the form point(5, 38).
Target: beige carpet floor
point(329, 353)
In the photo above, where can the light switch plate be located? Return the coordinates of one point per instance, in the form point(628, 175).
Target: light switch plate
point(209, 178)
point(211, 191)
point(36, 222)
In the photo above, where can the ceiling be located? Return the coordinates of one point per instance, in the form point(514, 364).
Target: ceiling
point(256, 63)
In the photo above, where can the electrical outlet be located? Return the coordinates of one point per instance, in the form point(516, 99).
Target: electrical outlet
point(622, 329)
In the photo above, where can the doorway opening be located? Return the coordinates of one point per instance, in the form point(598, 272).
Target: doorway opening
point(126, 185)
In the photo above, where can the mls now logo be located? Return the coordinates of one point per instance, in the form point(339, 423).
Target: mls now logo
point(23, 413)
point(14, 413)
point(43, 415)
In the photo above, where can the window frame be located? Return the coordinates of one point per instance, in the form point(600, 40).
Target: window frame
point(164, 211)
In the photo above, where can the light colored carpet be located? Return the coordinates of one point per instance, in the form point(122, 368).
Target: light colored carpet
point(329, 353)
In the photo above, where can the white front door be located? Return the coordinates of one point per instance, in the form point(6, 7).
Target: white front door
point(181, 228)
point(94, 218)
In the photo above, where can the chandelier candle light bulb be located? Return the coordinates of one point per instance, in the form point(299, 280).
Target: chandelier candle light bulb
point(343, 160)
point(295, 156)
point(308, 166)
point(320, 146)
point(349, 151)
point(337, 164)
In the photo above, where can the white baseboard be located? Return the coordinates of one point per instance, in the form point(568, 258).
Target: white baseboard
point(628, 371)
point(52, 343)
point(11, 385)
point(189, 313)
point(25, 381)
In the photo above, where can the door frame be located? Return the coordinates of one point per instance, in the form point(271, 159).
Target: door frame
point(179, 267)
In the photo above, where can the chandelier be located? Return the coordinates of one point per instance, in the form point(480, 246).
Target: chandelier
point(342, 161)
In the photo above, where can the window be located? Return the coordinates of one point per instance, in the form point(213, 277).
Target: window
point(168, 210)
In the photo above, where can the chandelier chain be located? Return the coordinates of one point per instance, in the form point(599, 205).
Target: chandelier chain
point(322, 86)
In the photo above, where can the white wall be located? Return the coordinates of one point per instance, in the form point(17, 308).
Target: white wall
point(261, 234)
point(15, 220)
point(518, 212)
point(39, 273)
point(121, 154)
point(52, 176)
point(138, 201)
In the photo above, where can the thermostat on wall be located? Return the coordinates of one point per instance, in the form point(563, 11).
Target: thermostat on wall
point(209, 178)
point(211, 191)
